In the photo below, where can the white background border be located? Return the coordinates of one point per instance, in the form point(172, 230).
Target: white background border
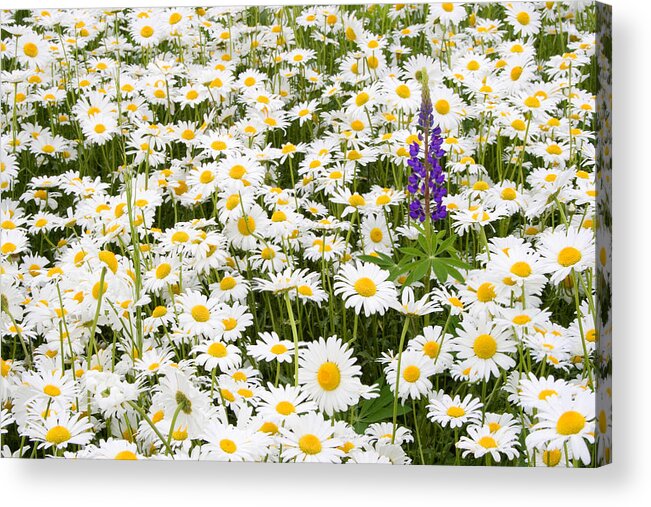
point(626, 482)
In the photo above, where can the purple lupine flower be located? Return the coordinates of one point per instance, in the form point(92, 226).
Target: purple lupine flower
point(427, 180)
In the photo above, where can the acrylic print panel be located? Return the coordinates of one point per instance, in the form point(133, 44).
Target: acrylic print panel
point(343, 234)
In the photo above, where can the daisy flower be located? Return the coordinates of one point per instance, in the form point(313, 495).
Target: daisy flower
point(215, 354)
point(270, 347)
point(435, 346)
point(481, 441)
point(198, 313)
point(61, 430)
point(365, 286)
point(415, 369)
point(483, 347)
point(309, 439)
point(565, 420)
point(329, 374)
point(454, 412)
point(229, 443)
point(565, 251)
point(282, 402)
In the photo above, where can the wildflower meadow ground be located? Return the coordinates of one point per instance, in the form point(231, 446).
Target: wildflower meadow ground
point(339, 234)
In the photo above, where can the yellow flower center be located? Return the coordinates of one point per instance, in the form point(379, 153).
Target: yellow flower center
point(278, 216)
point(125, 455)
point(51, 390)
point(361, 99)
point(570, 423)
point(163, 270)
point(278, 349)
point(200, 313)
point(521, 269)
point(591, 335)
point(357, 125)
point(57, 435)
point(217, 350)
point(305, 290)
point(473, 65)
point(487, 442)
point(365, 287)
point(516, 72)
point(246, 226)
point(329, 376)
point(8, 248)
point(456, 412)
point(227, 283)
point(269, 427)
point(232, 202)
point(546, 393)
point(431, 349)
point(569, 256)
point(486, 292)
point(551, 458)
point(109, 259)
point(376, 235)
point(532, 102)
point(146, 31)
point(403, 91)
point(227, 445)
point(237, 171)
point(521, 320)
point(285, 408)
point(485, 346)
point(442, 106)
point(519, 125)
point(180, 237)
point(159, 311)
point(554, 149)
point(310, 444)
point(508, 194)
point(180, 434)
point(411, 373)
point(230, 323)
point(523, 18)
point(30, 49)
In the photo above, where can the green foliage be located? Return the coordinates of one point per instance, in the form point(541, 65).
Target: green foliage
point(432, 252)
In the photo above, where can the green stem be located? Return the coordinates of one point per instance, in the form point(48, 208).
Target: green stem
point(395, 394)
point(294, 334)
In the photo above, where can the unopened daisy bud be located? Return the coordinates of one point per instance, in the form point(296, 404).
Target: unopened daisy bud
point(184, 402)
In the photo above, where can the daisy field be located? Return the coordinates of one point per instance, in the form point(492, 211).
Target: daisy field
point(335, 234)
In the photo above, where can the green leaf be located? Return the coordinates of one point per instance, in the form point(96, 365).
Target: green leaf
point(379, 409)
point(413, 252)
point(446, 245)
point(383, 262)
point(455, 274)
point(418, 272)
point(450, 262)
point(422, 241)
point(440, 270)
